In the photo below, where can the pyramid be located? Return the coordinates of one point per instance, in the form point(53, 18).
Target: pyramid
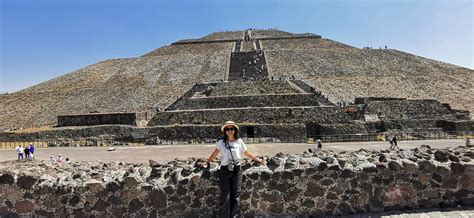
point(157, 80)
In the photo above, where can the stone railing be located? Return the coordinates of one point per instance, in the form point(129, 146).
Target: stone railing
point(315, 184)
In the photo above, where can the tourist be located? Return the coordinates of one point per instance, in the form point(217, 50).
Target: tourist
point(394, 139)
point(19, 151)
point(27, 153)
point(60, 158)
point(32, 151)
point(231, 148)
point(52, 160)
point(319, 144)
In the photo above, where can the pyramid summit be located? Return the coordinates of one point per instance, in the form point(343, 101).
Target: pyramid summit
point(258, 62)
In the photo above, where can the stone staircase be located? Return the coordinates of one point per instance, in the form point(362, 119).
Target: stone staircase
point(248, 65)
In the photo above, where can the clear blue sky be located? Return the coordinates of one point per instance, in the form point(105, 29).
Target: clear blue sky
point(43, 39)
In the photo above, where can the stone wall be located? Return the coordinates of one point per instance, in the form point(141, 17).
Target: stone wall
point(98, 119)
point(408, 109)
point(252, 88)
point(309, 184)
point(289, 100)
point(174, 134)
point(323, 115)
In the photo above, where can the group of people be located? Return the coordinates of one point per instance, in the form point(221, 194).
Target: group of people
point(259, 71)
point(369, 47)
point(60, 160)
point(344, 103)
point(25, 152)
point(247, 35)
point(393, 143)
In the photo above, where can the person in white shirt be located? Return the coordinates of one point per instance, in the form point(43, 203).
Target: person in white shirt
point(53, 161)
point(60, 158)
point(231, 148)
point(20, 150)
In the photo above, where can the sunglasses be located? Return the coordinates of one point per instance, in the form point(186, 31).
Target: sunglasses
point(229, 129)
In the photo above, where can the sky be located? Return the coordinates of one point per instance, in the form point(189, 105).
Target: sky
point(44, 39)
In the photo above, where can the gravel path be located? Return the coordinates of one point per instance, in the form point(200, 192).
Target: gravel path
point(170, 152)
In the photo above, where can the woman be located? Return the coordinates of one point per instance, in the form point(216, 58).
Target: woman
point(231, 148)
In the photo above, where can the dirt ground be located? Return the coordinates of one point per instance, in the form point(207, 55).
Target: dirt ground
point(170, 152)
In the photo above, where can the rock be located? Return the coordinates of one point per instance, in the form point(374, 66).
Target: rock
point(467, 182)
point(425, 147)
point(24, 206)
point(154, 163)
point(457, 168)
point(427, 166)
point(327, 182)
point(322, 166)
point(130, 183)
point(135, 205)
point(469, 154)
point(156, 173)
point(272, 197)
point(302, 161)
point(94, 185)
point(347, 173)
point(275, 161)
point(51, 201)
point(441, 155)
point(450, 182)
point(11, 194)
point(195, 179)
point(112, 187)
point(157, 199)
point(330, 160)
point(442, 170)
point(314, 190)
point(342, 162)
point(74, 200)
point(186, 171)
point(395, 166)
point(26, 182)
point(334, 167)
point(111, 149)
point(453, 158)
point(465, 159)
point(101, 205)
point(409, 167)
point(7, 179)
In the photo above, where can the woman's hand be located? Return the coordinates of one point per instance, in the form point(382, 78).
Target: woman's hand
point(261, 162)
point(257, 160)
